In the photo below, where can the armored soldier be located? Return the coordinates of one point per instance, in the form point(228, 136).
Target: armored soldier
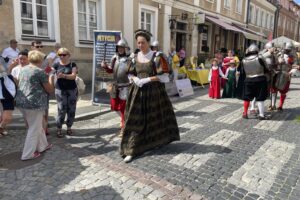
point(118, 88)
point(286, 61)
point(271, 60)
point(255, 83)
point(154, 45)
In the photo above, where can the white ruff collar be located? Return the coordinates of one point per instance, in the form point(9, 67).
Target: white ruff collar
point(145, 57)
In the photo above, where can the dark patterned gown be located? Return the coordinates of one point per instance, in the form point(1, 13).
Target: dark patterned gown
point(149, 116)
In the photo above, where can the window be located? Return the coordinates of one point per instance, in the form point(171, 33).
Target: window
point(250, 15)
point(87, 19)
point(148, 19)
point(272, 22)
point(238, 6)
point(263, 19)
point(268, 21)
point(34, 18)
point(227, 4)
point(257, 17)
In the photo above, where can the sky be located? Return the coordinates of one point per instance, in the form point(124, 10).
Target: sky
point(297, 1)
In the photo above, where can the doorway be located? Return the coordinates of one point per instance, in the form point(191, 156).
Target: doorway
point(180, 41)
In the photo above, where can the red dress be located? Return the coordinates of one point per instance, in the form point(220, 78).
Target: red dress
point(224, 69)
point(214, 89)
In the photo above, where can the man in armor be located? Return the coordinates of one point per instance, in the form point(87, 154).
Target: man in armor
point(255, 83)
point(271, 60)
point(155, 46)
point(161, 58)
point(286, 61)
point(118, 88)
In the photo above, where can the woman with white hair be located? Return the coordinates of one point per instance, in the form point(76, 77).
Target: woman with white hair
point(31, 99)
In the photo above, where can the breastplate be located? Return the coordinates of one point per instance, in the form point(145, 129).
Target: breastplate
point(252, 66)
point(120, 71)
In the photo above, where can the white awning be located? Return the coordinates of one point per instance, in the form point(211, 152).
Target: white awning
point(251, 36)
point(230, 27)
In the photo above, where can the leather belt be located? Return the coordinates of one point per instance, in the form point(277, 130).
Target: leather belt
point(253, 76)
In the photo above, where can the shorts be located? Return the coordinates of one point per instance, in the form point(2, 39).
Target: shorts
point(8, 104)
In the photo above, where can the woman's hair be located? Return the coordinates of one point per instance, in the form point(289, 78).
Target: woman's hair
point(35, 57)
point(143, 33)
point(63, 50)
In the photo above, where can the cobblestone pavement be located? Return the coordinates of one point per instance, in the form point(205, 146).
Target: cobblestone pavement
point(220, 156)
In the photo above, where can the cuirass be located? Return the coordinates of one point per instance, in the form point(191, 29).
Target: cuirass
point(120, 70)
point(252, 66)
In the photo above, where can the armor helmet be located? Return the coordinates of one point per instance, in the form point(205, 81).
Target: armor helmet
point(288, 46)
point(268, 45)
point(155, 44)
point(252, 49)
point(122, 43)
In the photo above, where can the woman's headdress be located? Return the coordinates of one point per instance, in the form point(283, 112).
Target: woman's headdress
point(144, 33)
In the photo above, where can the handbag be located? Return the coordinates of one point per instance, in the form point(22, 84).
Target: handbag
point(80, 85)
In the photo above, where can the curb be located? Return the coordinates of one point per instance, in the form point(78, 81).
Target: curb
point(52, 123)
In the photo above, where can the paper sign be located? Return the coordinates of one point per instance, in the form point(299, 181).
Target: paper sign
point(184, 87)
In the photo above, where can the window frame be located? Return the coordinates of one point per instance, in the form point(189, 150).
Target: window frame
point(154, 11)
point(271, 21)
point(251, 14)
point(100, 16)
point(239, 7)
point(225, 5)
point(257, 16)
point(53, 28)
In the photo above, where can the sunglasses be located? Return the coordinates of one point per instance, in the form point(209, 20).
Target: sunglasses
point(38, 46)
point(63, 55)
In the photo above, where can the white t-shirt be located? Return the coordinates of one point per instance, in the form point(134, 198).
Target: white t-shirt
point(16, 71)
point(11, 54)
point(53, 55)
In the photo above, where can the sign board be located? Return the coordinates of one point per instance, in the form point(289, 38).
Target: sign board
point(104, 48)
point(184, 87)
point(200, 18)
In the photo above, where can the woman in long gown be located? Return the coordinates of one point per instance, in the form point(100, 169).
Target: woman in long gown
point(230, 86)
point(149, 116)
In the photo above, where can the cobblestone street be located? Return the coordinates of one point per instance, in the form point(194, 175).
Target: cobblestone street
point(220, 156)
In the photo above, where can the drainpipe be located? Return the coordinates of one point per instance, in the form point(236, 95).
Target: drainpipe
point(247, 19)
point(275, 31)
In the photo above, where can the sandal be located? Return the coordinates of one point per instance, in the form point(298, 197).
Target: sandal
point(69, 132)
point(2, 132)
point(47, 148)
point(59, 133)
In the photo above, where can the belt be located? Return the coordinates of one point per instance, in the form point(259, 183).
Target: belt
point(253, 76)
point(123, 85)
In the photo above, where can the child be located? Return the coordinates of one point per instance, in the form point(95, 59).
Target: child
point(214, 79)
point(230, 86)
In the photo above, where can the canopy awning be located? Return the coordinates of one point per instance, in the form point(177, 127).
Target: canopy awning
point(223, 24)
point(282, 39)
point(230, 27)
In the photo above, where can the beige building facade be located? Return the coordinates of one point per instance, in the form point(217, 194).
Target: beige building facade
point(261, 16)
point(199, 26)
point(288, 20)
